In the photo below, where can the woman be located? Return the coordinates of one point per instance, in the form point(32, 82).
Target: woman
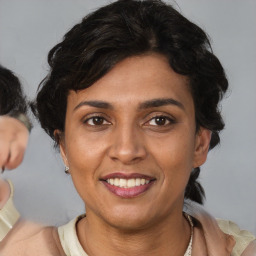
point(132, 101)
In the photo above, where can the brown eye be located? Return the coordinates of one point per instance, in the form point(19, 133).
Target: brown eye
point(96, 121)
point(160, 121)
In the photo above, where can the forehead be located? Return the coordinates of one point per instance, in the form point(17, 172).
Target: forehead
point(137, 79)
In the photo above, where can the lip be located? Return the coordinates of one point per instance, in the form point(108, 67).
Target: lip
point(128, 192)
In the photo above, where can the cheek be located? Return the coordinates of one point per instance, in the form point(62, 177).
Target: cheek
point(174, 156)
point(85, 156)
point(175, 151)
point(83, 159)
point(83, 150)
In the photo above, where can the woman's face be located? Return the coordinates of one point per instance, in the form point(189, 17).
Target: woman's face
point(130, 141)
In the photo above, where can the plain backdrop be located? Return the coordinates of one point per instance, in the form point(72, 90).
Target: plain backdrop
point(30, 28)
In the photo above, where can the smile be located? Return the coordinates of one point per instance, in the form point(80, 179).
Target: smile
point(127, 183)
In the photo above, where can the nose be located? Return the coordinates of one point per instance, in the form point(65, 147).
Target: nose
point(127, 145)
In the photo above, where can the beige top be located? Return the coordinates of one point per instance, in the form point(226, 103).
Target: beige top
point(26, 238)
point(242, 237)
point(8, 216)
point(69, 240)
point(72, 246)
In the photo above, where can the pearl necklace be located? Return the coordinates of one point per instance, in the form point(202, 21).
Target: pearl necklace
point(189, 249)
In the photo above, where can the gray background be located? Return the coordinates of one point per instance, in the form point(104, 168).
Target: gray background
point(28, 30)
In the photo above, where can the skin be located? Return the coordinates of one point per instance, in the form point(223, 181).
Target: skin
point(13, 141)
point(129, 134)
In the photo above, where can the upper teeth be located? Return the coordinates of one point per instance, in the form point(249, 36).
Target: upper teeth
point(127, 183)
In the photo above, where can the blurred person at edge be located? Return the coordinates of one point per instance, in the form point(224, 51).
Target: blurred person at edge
point(131, 100)
point(14, 127)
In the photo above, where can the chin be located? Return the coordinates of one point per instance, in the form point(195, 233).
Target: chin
point(129, 220)
point(130, 225)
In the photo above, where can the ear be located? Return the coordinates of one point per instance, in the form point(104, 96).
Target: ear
point(203, 138)
point(61, 141)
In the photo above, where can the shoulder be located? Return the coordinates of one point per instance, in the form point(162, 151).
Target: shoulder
point(243, 238)
point(25, 238)
point(28, 238)
point(226, 234)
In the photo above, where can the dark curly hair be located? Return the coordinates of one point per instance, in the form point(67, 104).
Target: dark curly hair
point(128, 28)
point(12, 99)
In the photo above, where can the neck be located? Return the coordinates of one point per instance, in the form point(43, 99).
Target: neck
point(169, 237)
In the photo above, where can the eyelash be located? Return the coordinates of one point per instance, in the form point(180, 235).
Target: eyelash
point(166, 119)
point(103, 121)
point(93, 118)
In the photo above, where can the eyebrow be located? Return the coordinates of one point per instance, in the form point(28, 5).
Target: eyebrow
point(154, 103)
point(94, 103)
